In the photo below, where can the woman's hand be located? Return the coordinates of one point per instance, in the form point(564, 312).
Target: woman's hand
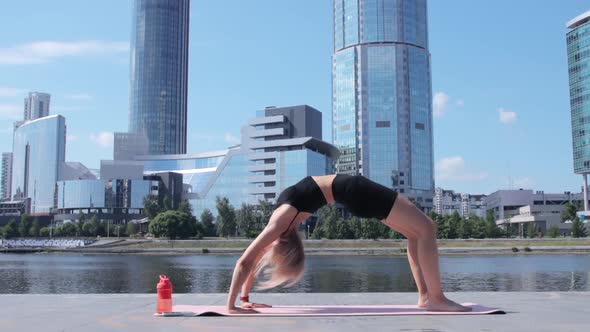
point(255, 305)
point(238, 310)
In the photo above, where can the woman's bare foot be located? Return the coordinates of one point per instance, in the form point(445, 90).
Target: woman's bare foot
point(446, 305)
point(422, 300)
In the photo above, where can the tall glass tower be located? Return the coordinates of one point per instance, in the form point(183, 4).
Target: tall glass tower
point(159, 74)
point(382, 98)
point(578, 55)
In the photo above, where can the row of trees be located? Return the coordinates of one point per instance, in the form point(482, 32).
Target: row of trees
point(87, 228)
point(332, 226)
point(249, 220)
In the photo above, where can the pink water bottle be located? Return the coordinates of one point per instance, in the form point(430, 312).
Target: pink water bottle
point(164, 295)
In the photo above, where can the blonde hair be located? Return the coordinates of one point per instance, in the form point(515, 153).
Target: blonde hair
point(284, 263)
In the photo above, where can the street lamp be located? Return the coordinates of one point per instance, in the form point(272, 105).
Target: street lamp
point(307, 232)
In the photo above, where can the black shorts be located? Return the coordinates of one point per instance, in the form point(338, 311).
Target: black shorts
point(363, 197)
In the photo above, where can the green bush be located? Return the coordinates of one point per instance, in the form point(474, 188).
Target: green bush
point(527, 249)
point(515, 249)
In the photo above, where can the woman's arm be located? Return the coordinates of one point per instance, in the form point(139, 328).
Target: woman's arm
point(247, 286)
point(247, 263)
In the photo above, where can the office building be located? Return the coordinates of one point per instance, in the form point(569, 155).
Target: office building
point(382, 99)
point(116, 200)
point(38, 156)
point(578, 55)
point(446, 202)
point(522, 207)
point(159, 74)
point(279, 147)
point(128, 145)
point(6, 180)
point(36, 105)
point(285, 145)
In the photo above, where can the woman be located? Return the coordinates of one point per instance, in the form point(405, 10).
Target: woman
point(279, 249)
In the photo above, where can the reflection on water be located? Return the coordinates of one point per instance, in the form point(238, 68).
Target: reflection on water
point(54, 274)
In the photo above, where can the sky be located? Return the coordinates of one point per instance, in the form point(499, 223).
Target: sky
point(499, 79)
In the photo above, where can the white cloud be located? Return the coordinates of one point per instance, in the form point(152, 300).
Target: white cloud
point(71, 138)
point(440, 103)
point(507, 116)
point(525, 183)
point(11, 92)
point(453, 168)
point(78, 96)
point(11, 112)
point(229, 138)
point(45, 51)
point(103, 139)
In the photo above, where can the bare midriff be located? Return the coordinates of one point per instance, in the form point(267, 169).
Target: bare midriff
point(325, 184)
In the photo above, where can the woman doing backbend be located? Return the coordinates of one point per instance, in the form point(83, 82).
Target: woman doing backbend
point(279, 250)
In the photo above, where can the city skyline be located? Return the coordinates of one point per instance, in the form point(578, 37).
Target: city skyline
point(506, 94)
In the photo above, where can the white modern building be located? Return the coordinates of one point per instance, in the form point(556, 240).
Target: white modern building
point(523, 207)
point(446, 202)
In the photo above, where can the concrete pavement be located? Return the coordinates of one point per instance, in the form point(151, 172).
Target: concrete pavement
point(550, 311)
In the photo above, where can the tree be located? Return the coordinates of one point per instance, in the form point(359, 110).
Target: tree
point(24, 225)
point(578, 228)
point(569, 212)
point(531, 230)
point(553, 231)
point(166, 204)
point(328, 221)
point(131, 229)
point(464, 229)
point(454, 222)
point(492, 230)
point(10, 230)
point(264, 210)
point(185, 207)
point(151, 208)
point(68, 229)
point(172, 224)
point(90, 228)
point(207, 221)
point(442, 227)
point(35, 229)
point(44, 232)
point(246, 219)
point(226, 217)
point(356, 227)
point(344, 231)
point(478, 230)
point(372, 229)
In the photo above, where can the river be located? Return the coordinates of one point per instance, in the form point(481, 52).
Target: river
point(69, 273)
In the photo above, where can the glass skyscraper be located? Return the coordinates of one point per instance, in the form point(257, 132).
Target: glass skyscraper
point(159, 74)
point(578, 52)
point(381, 98)
point(39, 149)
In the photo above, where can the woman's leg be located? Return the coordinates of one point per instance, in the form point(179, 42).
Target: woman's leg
point(415, 266)
point(405, 215)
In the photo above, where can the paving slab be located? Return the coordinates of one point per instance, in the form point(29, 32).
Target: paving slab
point(526, 311)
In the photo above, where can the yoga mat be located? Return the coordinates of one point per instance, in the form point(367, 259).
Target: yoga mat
point(327, 310)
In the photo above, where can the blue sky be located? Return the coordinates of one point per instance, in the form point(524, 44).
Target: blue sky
point(499, 71)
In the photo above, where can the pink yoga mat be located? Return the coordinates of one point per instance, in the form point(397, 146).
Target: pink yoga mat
point(328, 310)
